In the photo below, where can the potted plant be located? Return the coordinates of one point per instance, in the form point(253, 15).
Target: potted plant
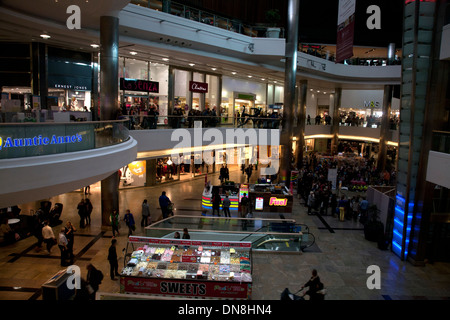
point(273, 17)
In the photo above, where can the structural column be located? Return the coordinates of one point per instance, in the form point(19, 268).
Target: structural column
point(385, 129)
point(301, 119)
point(109, 104)
point(150, 172)
point(289, 91)
point(336, 120)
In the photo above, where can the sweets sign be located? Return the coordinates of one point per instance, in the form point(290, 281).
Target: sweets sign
point(185, 288)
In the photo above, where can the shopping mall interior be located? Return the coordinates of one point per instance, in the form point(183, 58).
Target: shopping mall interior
point(330, 121)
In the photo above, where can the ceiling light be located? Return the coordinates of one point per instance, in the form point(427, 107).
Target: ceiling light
point(249, 76)
point(192, 64)
point(133, 53)
point(45, 36)
point(263, 79)
point(233, 72)
point(165, 59)
point(94, 45)
point(213, 69)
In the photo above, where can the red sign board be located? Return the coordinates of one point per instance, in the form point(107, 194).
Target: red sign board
point(199, 87)
point(185, 288)
point(139, 85)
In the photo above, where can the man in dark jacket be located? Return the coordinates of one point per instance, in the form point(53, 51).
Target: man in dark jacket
point(94, 279)
point(112, 258)
point(164, 202)
point(314, 286)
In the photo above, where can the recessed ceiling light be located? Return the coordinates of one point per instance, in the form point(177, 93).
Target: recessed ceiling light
point(263, 79)
point(233, 72)
point(192, 64)
point(133, 53)
point(213, 69)
point(45, 36)
point(165, 59)
point(249, 76)
point(94, 45)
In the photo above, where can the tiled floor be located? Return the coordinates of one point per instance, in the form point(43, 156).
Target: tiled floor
point(341, 254)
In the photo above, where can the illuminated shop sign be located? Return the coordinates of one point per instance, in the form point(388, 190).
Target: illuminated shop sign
point(139, 85)
point(199, 87)
point(39, 141)
point(274, 201)
point(69, 86)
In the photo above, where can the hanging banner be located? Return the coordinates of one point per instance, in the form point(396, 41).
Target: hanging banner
point(345, 30)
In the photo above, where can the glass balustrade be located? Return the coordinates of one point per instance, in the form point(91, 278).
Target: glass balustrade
point(19, 140)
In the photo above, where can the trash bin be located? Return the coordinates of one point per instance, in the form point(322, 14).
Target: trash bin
point(56, 287)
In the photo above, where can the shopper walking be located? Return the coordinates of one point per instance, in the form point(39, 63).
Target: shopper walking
point(216, 200)
point(49, 237)
point(129, 221)
point(37, 231)
point(226, 203)
point(69, 231)
point(311, 202)
point(145, 214)
point(62, 244)
point(89, 209)
point(114, 218)
point(94, 278)
point(164, 203)
point(82, 213)
point(112, 258)
point(244, 205)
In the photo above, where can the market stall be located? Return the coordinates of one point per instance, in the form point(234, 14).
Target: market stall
point(229, 189)
point(187, 268)
point(270, 198)
point(263, 197)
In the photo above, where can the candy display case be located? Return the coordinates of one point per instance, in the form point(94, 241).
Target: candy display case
point(187, 268)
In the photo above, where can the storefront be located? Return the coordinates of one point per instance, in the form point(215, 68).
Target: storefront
point(196, 91)
point(242, 95)
point(143, 87)
point(187, 268)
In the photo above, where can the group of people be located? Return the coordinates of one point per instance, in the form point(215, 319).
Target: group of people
point(85, 208)
point(65, 240)
point(318, 119)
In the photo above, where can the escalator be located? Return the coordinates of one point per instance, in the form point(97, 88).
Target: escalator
point(297, 239)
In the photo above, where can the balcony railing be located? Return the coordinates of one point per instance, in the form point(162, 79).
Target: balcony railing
point(205, 17)
point(19, 140)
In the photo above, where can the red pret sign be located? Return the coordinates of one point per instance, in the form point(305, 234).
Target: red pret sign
point(199, 87)
point(185, 288)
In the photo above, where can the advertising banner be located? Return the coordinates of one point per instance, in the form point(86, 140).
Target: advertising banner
point(345, 30)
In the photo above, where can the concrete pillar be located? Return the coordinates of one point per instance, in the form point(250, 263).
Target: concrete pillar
point(301, 121)
point(385, 129)
point(335, 121)
point(150, 172)
point(109, 67)
point(109, 104)
point(289, 91)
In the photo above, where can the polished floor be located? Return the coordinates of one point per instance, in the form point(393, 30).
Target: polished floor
point(341, 254)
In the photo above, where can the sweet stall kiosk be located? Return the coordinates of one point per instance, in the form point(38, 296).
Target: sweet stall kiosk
point(269, 198)
point(187, 268)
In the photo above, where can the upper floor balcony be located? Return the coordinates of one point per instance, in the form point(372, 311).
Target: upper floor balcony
point(40, 160)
